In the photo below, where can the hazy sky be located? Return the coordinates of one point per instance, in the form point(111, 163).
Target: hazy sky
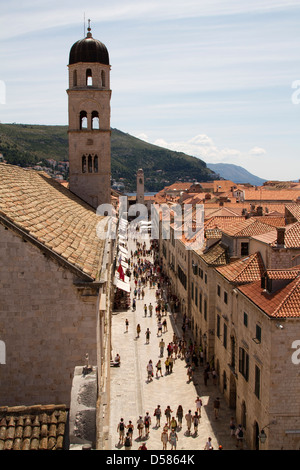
point(212, 78)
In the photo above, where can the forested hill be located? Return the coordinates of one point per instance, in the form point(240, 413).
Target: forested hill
point(26, 145)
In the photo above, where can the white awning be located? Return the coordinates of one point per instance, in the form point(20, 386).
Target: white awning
point(122, 285)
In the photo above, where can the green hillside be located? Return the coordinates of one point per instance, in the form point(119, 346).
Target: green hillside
point(26, 145)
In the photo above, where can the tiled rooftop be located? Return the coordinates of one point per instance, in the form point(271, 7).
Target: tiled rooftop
point(244, 270)
point(52, 215)
point(217, 255)
point(294, 209)
point(291, 236)
point(284, 303)
point(248, 228)
point(33, 428)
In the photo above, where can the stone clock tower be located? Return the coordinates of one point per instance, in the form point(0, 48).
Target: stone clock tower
point(89, 131)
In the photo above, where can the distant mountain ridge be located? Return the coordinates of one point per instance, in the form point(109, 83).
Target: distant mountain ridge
point(235, 173)
point(26, 145)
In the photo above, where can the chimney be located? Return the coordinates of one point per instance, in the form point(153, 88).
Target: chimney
point(280, 236)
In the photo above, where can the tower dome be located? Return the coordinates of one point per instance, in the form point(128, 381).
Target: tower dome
point(89, 50)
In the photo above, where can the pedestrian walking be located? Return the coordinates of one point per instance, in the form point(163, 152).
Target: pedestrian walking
point(173, 424)
point(173, 438)
point(189, 418)
point(145, 310)
point(217, 407)
point(239, 436)
point(168, 413)
point(167, 365)
point(126, 325)
point(165, 325)
point(158, 368)
point(179, 415)
point(130, 428)
point(138, 330)
point(157, 414)
point(208, 445)
point(127, 442)
point(140, 426)
point(196, 423)
point(232, 426)
point(148, 333)
point(150, 370)
point(133, 305)
point(121, 430)
point(159, 328)
point(150, 309)
point(198, 402)
point(164, 438)
point(147, 422)
point(190, 373)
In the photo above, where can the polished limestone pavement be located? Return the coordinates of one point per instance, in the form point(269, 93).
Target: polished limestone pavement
point(132, 395)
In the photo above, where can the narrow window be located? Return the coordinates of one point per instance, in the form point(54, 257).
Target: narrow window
point(258, 333)
point(219, 291)
point(245, 319)
point(75, 78)
point(257, 382)
point(95, 120)
point(218, 326)
point(225, 336)
point(103, 78)
point(90, 164)
point(96, 164)
point(83, 164)
point(89, 78)
point(83, 120)
point(225, 297)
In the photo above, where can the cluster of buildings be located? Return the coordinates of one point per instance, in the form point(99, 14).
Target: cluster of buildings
point(240, 292)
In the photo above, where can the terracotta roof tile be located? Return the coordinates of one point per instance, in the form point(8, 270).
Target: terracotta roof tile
point(248, 228)
point(284, 303)
point(33, 427)
point(52, 215)
point(244, 270)
point(217, 255)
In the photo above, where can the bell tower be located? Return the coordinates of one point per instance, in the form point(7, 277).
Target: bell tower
point(140, 187)
point(89, 129)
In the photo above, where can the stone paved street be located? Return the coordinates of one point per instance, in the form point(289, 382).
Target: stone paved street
point(132, 395)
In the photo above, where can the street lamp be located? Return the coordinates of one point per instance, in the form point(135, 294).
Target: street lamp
point(262, 436)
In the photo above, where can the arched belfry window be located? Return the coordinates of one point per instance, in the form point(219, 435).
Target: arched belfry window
point(103, 78)
point(90, 164)
point(89, 77)
point(75, 78)
point(96, 164)
point(83, 120)
point(83, 163)
point(95, 120)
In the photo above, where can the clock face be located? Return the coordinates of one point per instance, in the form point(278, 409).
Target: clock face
point(141, 181)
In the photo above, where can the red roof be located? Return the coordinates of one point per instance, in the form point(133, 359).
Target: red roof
point(244, 270)
point(284, 303)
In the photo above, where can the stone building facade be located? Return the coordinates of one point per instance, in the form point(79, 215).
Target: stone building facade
point(54, 281)
point(247, 332)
